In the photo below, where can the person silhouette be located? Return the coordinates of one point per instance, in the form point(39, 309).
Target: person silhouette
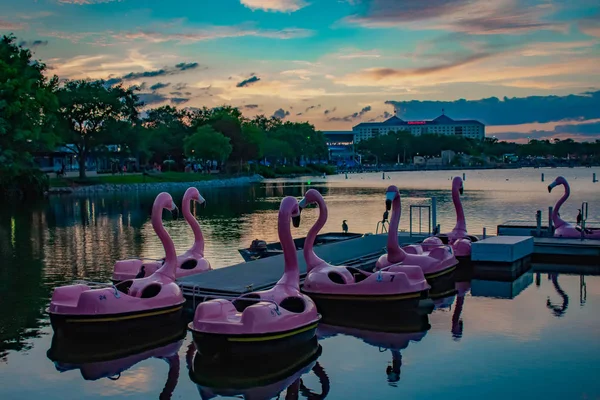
point(344, 226)
point(579, 217)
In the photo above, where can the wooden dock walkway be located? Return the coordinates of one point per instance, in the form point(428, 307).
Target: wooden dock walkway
point(262, 274)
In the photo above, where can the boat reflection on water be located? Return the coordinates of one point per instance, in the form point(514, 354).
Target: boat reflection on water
point(394, 337)
point(262, 377)
point(462, 289)
point(109, 359)
point(557, 310)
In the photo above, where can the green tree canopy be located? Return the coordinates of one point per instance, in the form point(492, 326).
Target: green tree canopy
point(27, 108)
point(208, 144)
point(88, 109)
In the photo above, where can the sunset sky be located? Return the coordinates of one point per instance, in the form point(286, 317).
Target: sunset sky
point(336, 63)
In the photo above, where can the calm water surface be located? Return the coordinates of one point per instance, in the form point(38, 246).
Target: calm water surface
point(539, 336)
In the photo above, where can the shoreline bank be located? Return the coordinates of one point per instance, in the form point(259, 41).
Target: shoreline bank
point(132, 187)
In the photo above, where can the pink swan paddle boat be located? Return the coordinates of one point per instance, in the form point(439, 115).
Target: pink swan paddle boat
point(438, 265)
point(393, 341)
point(265, 320)
point(458, 238)
point(562, 228)
point(326, 283)
point(189, 263)
point(117, 308)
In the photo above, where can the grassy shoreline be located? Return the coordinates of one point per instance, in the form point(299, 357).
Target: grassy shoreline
point(130, 179)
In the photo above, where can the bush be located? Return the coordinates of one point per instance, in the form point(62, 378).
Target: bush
point(323, 168)
point(28, 184)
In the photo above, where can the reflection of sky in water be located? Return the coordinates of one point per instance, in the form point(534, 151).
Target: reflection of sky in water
point(509, 349)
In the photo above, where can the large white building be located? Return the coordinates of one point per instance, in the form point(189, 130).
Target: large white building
point(442, 125)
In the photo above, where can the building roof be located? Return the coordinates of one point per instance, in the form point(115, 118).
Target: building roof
point(395, 121)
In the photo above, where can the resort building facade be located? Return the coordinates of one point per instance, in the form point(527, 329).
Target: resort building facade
point(442, 125)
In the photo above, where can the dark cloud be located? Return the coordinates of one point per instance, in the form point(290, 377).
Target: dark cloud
point(185, 66)
point(179, 86)
point(330, 111)
point(189, 93)
point(179, 100)
point(383, 73)
point(312, 108)
point(506, 111)
point(152, 98)
point(251, 106)
point(145, 74)
point(176, 93)
point(584, 131)
point(467, 16)
point(113, 81)
point(299, 113)
point(281, 113)
point(33, 43)
point(353, 116)
point(178, 68)
point(248, 81)
point(159, 85)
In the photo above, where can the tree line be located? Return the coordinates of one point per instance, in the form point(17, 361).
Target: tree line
point(39, 113)
point(404, 146)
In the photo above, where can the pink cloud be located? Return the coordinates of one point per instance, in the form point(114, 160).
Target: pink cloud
point(275, 5)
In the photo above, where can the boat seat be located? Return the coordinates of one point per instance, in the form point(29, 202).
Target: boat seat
point(189, 264)
point(151, 290)
point(241, 304)
point(293, 304)
point(124, 286)
point(357, 274)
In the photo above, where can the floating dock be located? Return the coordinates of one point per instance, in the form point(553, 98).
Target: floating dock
point(261, 274)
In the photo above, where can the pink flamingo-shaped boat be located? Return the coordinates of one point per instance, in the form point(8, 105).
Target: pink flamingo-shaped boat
point(78, 308)
point(263, 378)
point(562, 228)
point(458, 238)
point(438, 265)
point(263, 320)
point(326, 283)
point(189, 263)
point(393, 341)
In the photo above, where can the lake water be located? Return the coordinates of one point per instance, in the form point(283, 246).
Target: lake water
point(544, 341)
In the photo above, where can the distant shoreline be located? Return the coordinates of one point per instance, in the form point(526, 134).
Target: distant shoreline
point(135, 187)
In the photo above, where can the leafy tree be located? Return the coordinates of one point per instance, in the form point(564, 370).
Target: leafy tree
point(208, 144)
point(276, 150)
point(166, 128)
point(87, 109)
point(27, 107)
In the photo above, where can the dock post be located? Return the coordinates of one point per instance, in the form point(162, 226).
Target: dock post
point(484, 233)
point(542, 177)
point(434, 212)
point(550, 226)
point(594, 180)
point(464, 176)
point(584, 214)
point(538, 220)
